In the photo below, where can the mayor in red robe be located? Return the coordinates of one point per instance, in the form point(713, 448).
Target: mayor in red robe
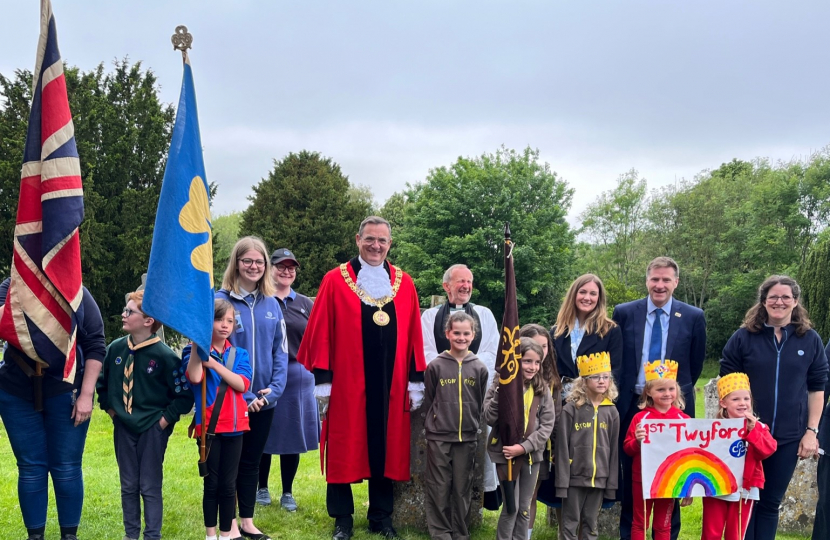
point(367, 350)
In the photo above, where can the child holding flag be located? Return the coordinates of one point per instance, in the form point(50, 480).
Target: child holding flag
point(539, 420)
point(732, 512)
point(228, 422)
point(587, 444)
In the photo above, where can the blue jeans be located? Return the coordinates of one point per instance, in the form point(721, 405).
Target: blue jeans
point(46, 443)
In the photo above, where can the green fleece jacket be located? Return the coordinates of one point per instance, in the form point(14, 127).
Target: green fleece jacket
point(453, 397)
point(158, 388)
point(587, 448)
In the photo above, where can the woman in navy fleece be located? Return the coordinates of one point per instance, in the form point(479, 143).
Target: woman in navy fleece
point(784, 358)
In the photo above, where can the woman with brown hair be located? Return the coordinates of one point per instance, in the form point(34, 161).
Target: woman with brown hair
point(583, 327)
point(784, 358)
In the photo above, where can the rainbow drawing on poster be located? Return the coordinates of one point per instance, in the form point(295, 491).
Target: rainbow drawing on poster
point(683, 470)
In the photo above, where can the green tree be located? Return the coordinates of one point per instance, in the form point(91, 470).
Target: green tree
point(393, 211)
point(614, 224)
point(306, 205)
point(815, 286)
point(225, 235)
point(122, 131)
point(457, 216)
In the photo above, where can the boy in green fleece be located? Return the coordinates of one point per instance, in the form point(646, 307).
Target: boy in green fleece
point(454, 386)
point(143, 388)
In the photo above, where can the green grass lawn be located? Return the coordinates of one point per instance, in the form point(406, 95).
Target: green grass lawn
point(183, 491)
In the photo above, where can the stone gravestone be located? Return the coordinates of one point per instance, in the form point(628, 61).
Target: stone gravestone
point(409, 496)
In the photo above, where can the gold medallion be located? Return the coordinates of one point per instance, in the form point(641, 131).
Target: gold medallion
point(380, 318)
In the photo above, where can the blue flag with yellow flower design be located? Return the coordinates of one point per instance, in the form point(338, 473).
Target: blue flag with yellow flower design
point(179, 287)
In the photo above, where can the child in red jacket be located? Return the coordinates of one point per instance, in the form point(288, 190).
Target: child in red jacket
point(727, 517)
point(661, 400)
point(232, 418)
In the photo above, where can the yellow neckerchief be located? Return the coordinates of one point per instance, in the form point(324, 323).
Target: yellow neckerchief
point(141, 344)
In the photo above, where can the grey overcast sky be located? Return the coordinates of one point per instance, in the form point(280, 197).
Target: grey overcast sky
point(389, 89)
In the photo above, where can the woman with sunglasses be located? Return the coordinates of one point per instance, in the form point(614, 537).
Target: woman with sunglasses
point(260, 330)
point(784, 358)
point(295, 429)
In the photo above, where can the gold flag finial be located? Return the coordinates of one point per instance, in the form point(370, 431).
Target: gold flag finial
point(182, 40)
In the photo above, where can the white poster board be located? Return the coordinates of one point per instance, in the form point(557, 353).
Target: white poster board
point(692, 457)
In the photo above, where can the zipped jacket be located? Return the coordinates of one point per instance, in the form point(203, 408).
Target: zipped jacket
point(453, 397)
point(781, 374)
point(233, 418)
point(535, 442)
point(631, 445)
point(587, 448)
point(761, 445)
point(260, 330)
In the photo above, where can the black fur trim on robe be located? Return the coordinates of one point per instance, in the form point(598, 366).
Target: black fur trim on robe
point(379, 345)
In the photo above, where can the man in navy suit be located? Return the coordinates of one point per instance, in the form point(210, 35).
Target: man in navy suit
point(681, 337)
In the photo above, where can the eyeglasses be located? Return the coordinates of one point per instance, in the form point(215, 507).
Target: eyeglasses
point(129, 312)
point(774, 299)
point(369, 240)
point(598, 378)
point(290, 269)
point(247, 263)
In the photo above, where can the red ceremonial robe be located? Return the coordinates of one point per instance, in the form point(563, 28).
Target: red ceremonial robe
point(333, 342)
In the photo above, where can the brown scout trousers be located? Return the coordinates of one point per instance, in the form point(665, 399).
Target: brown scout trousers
point(449, 480)
point(581, 507)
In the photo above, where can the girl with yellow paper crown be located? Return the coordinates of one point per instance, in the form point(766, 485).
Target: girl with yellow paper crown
point(727, 517)
point(587, 443)
point(661, 400)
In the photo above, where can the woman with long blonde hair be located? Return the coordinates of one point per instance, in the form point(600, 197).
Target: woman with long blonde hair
point(260, 330)
point(583, 327)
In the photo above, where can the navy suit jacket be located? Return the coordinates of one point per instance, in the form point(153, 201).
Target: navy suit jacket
point(591, 343)
point(686, 344)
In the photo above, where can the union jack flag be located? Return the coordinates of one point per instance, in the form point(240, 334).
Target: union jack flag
point(45, 292)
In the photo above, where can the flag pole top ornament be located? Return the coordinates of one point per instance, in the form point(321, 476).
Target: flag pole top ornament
point(507, 239)
point(182, 40)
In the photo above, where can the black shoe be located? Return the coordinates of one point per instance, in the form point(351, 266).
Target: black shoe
point(342, 533)
point(69, 537)
point(253, 536)
point(35, 537)
point(387, 531)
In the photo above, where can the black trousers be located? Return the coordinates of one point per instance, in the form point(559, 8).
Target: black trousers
point(220, 483)
point(340, 503)
point(778, 471)
point(253, 444)
point(289, 463)
point(625, 493)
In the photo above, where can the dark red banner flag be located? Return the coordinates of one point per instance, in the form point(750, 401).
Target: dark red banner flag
point(511, 389)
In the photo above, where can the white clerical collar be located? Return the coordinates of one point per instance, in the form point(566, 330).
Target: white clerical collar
point(373, 279)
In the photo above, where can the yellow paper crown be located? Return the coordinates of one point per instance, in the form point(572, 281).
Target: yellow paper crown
point(593, 364)
point(661, 369)
point(729, 383)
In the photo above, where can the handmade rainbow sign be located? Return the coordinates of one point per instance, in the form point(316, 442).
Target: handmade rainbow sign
point(692, 458)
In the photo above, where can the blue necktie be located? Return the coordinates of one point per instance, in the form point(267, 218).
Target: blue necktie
point(655, 348)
